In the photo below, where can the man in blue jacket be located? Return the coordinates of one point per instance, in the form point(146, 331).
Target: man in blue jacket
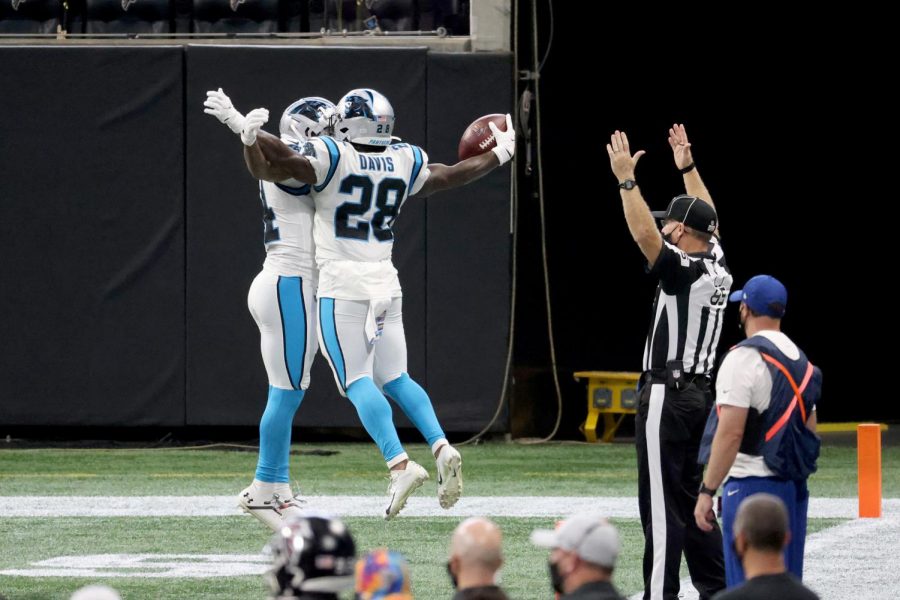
point(761, 435)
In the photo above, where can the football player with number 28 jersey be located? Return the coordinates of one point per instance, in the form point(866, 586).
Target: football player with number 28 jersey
point(360, 179)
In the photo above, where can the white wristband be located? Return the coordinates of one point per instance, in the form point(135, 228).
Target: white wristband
point(503, 154)
point(249, 137)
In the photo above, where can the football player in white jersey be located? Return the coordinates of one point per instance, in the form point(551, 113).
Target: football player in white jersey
point(282, 297)
point(360, 180)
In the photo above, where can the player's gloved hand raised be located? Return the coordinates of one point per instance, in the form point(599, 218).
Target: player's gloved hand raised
point(218, 104)
point(254, 120)
point(506, 141)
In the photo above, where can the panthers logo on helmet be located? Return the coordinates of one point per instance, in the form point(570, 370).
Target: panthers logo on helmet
point(235, 4)
point(308, 117)
point(357, 106)
point(364, 117)
point(126, 4)
point(16, 4)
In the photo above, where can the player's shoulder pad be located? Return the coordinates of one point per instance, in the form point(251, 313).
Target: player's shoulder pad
point(332, 148)
point(420, 159)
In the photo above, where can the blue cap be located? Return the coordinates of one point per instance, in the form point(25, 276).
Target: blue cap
point(764, 294)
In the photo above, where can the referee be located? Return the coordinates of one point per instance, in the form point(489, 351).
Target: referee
point(679, 355)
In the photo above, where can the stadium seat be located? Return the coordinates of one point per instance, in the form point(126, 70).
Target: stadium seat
point(129, 16)
point(395, 15)
point(452, 15)
point(29, 16)
point(323, 14)
point(295, 16)
point(235, 16)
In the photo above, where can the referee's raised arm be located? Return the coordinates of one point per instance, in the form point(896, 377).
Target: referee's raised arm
point(684, 162)
point(674, 396)
point(637, 214)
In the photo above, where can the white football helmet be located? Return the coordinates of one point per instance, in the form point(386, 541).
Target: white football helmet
point(364, 116)
point(306, 118)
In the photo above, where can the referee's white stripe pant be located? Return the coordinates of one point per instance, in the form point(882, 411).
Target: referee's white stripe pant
point(284, 309)
point(668, 428)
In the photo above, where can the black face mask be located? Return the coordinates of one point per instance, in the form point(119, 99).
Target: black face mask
point(556, 580)
point(453, 579)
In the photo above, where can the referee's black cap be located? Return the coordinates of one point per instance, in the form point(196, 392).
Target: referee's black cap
point(697, 214)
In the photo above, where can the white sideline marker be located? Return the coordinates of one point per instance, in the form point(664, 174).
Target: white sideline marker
point(369, 506)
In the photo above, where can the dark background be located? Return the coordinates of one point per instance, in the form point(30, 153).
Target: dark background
point(792, 127)
point(131, 232)
point(130, 228)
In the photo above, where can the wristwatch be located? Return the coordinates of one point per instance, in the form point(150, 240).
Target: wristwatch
point(706, 490)
point(628, 184)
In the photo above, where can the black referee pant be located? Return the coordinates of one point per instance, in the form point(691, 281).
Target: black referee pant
point(669, 426)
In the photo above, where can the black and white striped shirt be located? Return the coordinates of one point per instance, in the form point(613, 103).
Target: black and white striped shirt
point(688, 309)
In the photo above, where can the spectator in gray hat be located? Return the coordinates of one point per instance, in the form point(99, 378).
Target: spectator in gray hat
point(585, 548)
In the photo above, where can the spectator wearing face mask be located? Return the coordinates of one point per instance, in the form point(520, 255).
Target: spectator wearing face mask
point(583, 557)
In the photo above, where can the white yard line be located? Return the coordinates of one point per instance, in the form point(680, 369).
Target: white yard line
point(368, 506)
point(852, 560)
point(863, 547)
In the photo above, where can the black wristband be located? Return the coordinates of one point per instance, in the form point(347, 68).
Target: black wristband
point(688, 168)
point(705, 490)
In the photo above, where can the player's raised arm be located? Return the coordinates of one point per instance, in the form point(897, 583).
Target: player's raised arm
point(444, 177)
point(270, 159)
point(267, 157)
point(219, 105)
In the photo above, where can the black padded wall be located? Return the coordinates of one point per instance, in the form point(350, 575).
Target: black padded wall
point(131, 231)
point(469, 244)
point(226, 379)
point(91, 223)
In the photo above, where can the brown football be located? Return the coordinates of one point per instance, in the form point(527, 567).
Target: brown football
point(478, 137)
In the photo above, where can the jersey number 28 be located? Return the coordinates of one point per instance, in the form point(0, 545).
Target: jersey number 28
point(388, 197)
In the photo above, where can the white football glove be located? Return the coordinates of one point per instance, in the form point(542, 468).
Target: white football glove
point(506, 141)
point(218, 104)
point(254, 120)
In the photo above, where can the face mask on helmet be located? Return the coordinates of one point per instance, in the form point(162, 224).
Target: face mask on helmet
point(311, 554)
point(365, 117)
point(306, 118)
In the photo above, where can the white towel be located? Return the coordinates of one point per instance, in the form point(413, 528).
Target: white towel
point(375, 318)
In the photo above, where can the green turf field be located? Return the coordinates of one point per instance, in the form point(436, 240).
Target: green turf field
point(346, 469)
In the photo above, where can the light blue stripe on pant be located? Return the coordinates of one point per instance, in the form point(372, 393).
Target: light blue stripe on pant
point(330, 339)
point(293, 326)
